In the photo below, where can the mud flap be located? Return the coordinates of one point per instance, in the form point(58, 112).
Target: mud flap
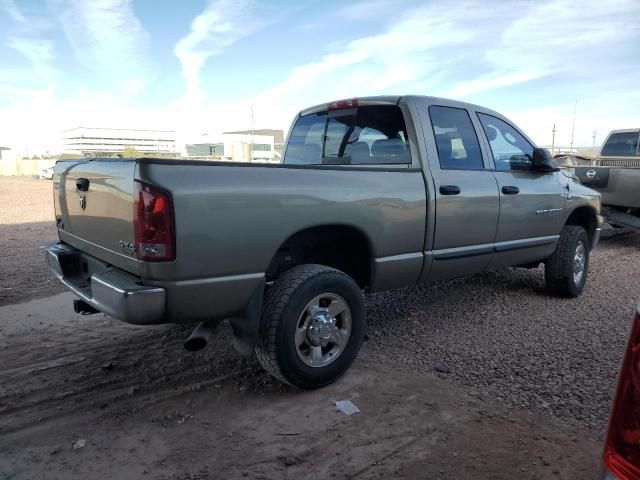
point(245, 327)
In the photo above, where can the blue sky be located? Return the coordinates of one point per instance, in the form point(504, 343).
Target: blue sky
point(200, 66)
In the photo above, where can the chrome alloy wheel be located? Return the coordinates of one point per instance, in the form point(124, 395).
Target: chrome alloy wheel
point(323, 330)
point(579, 263)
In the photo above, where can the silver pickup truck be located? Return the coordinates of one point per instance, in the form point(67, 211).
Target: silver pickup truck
point(372, 194)
point(616, 175)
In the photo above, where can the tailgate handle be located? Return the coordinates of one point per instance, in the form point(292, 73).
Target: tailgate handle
point(82, 184)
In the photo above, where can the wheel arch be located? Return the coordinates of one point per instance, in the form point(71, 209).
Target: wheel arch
point(341, 246)
point(585, 217)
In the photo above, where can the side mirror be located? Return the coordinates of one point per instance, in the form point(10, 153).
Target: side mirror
point(542, 161)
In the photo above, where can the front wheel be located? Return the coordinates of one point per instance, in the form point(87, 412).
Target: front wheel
point(566, 270)
point(312, 326)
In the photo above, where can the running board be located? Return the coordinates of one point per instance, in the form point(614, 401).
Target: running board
point(616, 217)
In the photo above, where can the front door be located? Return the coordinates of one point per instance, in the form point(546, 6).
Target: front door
point(531, 202)
point(467, 202)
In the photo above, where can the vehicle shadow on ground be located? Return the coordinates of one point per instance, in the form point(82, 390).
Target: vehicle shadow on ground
point(620, 238)
point(23, 272)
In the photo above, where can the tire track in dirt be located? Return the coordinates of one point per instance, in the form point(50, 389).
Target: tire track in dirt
point(101, 374)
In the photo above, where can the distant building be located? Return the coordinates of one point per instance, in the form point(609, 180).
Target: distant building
point(11, 164)
point(205, 150)
point(110, 141)
point(261, 145)
point(8, 162)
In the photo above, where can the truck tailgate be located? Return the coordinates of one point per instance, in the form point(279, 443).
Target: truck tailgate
point(94, 208)
point(617, 185)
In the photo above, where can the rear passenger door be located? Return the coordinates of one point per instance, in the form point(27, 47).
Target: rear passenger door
point(467, 202)
point(531, 202)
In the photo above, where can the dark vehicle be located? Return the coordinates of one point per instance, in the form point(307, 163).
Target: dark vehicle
point(622, 445)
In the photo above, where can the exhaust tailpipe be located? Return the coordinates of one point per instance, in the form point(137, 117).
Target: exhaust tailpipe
point(83, 308)
point(200, 336)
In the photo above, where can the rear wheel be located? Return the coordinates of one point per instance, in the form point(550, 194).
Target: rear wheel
point(312, 326)
point(566, 270)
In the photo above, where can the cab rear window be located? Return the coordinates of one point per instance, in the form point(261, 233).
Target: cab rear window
point(366, 135)
point(622, 144)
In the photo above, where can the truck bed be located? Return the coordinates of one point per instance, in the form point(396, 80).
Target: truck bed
point(231, 218)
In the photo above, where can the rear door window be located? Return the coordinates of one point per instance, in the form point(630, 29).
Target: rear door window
point(622, 144)
point(456, 139)
point(367, 135)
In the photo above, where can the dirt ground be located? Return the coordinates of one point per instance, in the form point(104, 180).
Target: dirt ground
point(26, 223)
point(145, 408)
point(91, 397)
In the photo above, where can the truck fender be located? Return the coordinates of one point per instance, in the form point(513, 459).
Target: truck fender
point(246, 325)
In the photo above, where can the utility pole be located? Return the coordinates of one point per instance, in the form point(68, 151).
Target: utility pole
point(251, 134)
point(553, 138)
point(573, 126)
point(593, 148)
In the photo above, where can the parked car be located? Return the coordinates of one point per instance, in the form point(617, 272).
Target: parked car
point(616, 176)
point(374, 193)
point(46, 173)
point(622, 444)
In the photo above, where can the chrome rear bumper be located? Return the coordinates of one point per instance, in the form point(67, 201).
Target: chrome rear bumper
point(104, 287)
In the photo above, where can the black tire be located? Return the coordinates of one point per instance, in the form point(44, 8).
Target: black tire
point(284, 302)
point(559, 268)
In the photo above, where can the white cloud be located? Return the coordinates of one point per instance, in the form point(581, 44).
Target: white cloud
point(550, 38)
point(222, 23)
point(464, 50)
point(608, 111)
point(10, 7)
point(107, 38)
point(411, 49)
point(40, 52)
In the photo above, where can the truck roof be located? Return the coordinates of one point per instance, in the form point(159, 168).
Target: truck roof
point(394, 99)
point(625, 130)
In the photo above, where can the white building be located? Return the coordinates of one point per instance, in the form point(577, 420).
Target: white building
point(108, 141)
point(256, 146)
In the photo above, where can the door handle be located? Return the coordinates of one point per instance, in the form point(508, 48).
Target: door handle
point(510, 190)
point(82, 184)
point(449, 189)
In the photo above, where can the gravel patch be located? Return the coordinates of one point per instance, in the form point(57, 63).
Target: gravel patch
point(501, 335)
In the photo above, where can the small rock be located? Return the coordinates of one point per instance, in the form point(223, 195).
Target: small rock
point(347, 407)
point(80, 443)
point(108, 366)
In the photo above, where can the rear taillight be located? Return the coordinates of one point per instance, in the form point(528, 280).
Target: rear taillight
point(153, 220)
point(622, 447)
